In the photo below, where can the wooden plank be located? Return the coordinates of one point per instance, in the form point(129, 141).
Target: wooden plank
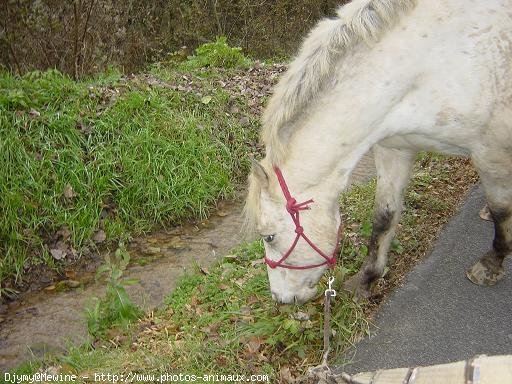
point(496, 370)
point(478, 370)
point(389, 376)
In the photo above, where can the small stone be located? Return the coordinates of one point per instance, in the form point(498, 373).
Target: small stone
point(301, 316)
point(176, 243)
point(72, 283)
point(151, 250)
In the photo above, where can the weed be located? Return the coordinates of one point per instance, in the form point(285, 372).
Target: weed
point(217, 54)
point(116, 308)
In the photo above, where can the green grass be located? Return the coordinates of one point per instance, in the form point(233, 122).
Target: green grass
point(109, 153)
point(217, 54)
point(222, 319)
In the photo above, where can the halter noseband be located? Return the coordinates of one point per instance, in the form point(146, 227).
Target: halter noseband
point(293, 209)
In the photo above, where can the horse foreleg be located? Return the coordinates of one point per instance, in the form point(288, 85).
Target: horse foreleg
point(393, 173)
point(495, 169)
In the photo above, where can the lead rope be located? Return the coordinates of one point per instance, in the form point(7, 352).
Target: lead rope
point(322, 371)
point(329, 293)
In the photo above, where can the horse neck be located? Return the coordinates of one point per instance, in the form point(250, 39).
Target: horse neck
point(348, 116)
point(325, 149)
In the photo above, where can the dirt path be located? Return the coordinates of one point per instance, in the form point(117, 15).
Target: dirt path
point(48, 322)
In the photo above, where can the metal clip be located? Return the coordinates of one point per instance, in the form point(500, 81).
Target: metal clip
point(330, 290)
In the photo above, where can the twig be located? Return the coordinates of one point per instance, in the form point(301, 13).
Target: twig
point(217, 19)
point(76, 13)
point(8, 40)
point(84, 34)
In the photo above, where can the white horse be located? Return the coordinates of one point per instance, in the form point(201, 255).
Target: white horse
point(397, 76)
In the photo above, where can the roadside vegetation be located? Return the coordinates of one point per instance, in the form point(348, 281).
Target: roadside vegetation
point(223, 320)
point(99, 160)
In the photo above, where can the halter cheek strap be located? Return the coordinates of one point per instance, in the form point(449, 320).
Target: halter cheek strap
point(294, 209)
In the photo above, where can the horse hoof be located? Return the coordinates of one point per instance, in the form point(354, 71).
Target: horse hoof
point(480, 274)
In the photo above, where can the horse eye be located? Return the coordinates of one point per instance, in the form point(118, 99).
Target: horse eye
point(269, 238)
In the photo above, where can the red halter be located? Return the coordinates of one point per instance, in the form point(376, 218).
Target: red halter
point(293, 209)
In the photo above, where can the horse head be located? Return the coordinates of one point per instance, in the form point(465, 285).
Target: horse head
point(300, 236)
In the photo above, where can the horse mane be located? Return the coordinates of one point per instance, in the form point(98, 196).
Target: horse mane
point(357, 21)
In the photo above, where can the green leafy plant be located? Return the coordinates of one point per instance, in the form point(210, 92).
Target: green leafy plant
point(116, 308)
point(217, 54)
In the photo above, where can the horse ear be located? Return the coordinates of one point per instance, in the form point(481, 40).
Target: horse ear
point(259, 172)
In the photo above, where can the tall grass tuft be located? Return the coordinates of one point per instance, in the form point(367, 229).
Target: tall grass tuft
point(109, 154)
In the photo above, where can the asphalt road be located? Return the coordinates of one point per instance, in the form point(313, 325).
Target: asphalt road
point(437, 315)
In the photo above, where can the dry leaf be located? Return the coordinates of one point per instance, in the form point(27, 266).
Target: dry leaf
point(222, 213)
point(64, 233)
point(99, 236)
point(221, 361)
point(286, 375)
point(245, 311)
point(241, 281)
point(69, 193)
point(212, 330)
point(34, 113)
point(58, 254)
point(206, 99)
point(254, 344)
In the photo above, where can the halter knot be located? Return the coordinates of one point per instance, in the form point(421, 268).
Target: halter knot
point(293, 207)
